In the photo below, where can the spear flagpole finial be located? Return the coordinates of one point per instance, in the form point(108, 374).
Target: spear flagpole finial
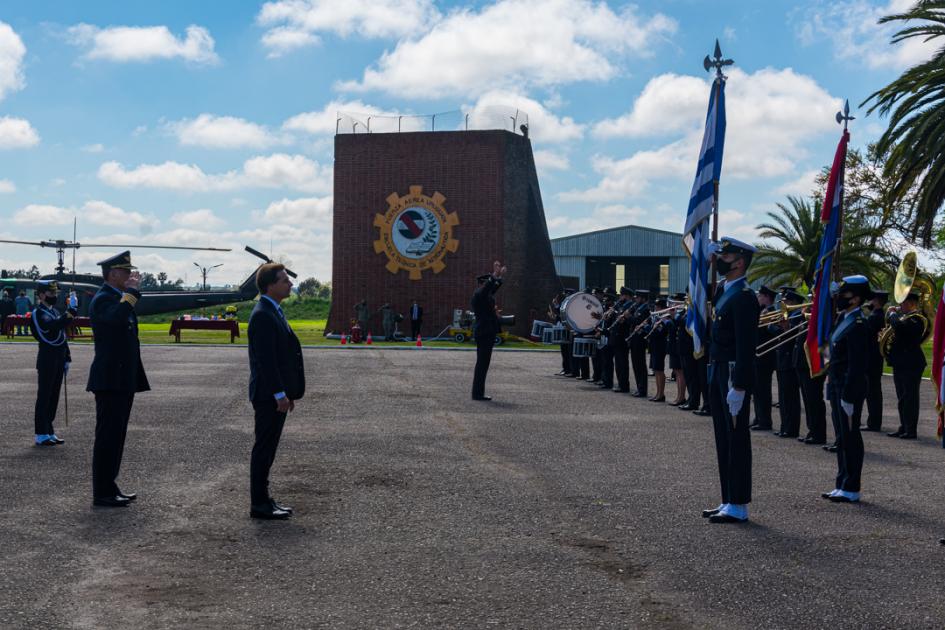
point(844, 116)
point(718, 63)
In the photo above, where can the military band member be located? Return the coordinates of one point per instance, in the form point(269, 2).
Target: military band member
point(673, 346)
point(606, 349)
point(874, 371)
point(618, 339)
point(908, 362)
point(690, 366)
point(637, 343)
point(789, 388)
point(115, 376)
point(812, 393)
point(765, 366)
point(595, 356)
point(846, 386)
point(486, 327)
point(52, 360)
point(732, 372)
point(657, 340)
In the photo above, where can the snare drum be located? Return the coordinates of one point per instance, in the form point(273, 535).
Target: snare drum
point(582, 312)
point(583, 347)
point(538, 327)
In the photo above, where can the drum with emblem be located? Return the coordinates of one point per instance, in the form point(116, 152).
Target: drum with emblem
point(582, 312)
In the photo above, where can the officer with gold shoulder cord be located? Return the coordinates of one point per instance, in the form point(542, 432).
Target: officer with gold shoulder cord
point(731, 378)
point(846, 385)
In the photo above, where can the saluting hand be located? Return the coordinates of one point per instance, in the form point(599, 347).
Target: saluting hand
point(134, 280)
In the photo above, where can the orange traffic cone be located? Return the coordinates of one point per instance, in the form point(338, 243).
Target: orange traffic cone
point(419, 342)
point(344, 339)
point(370, 340)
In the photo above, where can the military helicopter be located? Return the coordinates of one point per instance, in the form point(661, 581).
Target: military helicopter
point(151, 302)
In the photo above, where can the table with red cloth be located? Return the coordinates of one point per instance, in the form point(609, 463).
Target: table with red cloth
point(230, 325)
point(73, 330)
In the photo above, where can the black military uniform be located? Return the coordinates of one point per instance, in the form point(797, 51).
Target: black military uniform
point(908, 363)
point(874, 368)
point(765, 366)
point(595, 356)
point(606, 352)
point(618, 342)
point(732, 374)
point(789, 388)
point(52, 361)
point(812, 392)
point(564, 348)
point(685, 348)
point(846, 388)
point(637, 343)
point(485, 329)
point(115, 376)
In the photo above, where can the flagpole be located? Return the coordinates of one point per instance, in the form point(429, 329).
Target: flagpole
point(845, 118)
point(718, 63)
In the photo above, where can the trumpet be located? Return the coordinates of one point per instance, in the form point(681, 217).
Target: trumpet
point(784, 312)
point(784, 338)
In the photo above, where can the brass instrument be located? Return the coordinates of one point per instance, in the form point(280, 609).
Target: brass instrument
point(909, 279)
point(784, 311)
point(788, 336)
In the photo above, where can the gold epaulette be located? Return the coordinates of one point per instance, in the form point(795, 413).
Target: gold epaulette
point(127, 297)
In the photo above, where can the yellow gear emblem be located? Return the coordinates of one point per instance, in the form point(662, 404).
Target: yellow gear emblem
point(415, 233)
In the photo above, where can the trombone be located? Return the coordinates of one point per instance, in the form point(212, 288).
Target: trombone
point(781, 314)
point(784, 338)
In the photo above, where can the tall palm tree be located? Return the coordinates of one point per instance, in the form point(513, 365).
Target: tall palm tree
point(915, 138)
point(792, 259)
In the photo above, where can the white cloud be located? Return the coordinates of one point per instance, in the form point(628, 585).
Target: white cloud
point(668, 104)
point(772, 115)
point(325, 121)
point(802, 186)
point(309, 212)
point(294, 24)
point(495, 108)
point(221, 132)
point(6, 186)
point(94, 148)
point(514, 44)
point(202, 218)
point(852, 30)
point(278, 170)
point(124, 44)
point(12, 52)
point(550, 161)
point(94, 212)
point(17, 133)
point(600, 218)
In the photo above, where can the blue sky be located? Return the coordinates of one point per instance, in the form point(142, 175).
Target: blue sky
point(211, 123)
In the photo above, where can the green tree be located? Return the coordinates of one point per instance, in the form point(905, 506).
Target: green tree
point(791, 255)
point(148, 282)
point(162, 279)
point(914, 141)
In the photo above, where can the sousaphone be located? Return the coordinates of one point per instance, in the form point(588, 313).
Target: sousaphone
point(909, 279)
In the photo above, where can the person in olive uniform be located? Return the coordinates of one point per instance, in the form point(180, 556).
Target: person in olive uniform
point(874, 371)
point(486, 327)
point(846, 386)
point(52, 360)
point(908, 363)
point(765, 366)
point(731, 376)
point(115, 376)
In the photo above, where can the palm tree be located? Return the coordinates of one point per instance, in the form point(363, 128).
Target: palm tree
point(797, 230)
point(915, 138)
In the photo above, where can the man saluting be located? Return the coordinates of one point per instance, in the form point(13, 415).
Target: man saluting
point(116, 374)
point(52, 360)
point(486, 327)
point(276, 381)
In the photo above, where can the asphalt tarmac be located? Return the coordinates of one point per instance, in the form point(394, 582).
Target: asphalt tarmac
point(555, 505)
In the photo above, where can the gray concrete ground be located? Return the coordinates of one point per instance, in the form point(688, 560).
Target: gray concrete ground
point(556, 505)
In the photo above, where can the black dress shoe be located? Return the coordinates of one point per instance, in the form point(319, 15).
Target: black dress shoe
point(896, 433)
point(941, 541)
point(115, 501)
point(802, 439)
point(617, 390)
point(760, 427)
point(825, 495)
point(839, 498)
point(562, 373)
point(55, 439)
point(908, 436)
point(702, 412)
point(660, 399)
point(482, 397)
point(830, 448)
point(687, 407)
point(46, 442)
point(787, 435)
point(267, 512)
point(131, 496)
point(725, 518)
point(814, 440)
point(708, 513)
point(277, 506)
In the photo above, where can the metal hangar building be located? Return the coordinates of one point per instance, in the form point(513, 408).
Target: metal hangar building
point(632, 256)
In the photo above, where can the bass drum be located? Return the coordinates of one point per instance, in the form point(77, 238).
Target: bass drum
point(582, 312)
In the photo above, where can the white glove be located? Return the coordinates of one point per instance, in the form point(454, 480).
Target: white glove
point(65, 367)
point(826, 386)
point(847, 408)
point(735, 399)
point(73, 300)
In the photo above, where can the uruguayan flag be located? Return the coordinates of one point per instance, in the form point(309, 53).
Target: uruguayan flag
point(696, 232)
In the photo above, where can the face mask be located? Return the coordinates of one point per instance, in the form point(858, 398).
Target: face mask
point(51, 300)
point(723, 267)
point(843, 302)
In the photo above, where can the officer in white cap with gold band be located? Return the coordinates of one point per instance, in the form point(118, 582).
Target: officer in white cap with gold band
point(731, 377)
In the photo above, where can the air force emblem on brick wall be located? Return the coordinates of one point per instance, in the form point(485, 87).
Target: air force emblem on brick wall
point(415, 233)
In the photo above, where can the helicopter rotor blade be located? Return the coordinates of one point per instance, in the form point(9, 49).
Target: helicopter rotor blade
point(204, 249)
point(259, 254)
point(38, 244)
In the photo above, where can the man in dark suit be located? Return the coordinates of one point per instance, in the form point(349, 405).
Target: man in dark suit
point(846, 386)
point(276, 381)
point(731, 377)
point(115, 376)
point(52, 360)
point(416, 320)
point(486, 327)
point(874, 371)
